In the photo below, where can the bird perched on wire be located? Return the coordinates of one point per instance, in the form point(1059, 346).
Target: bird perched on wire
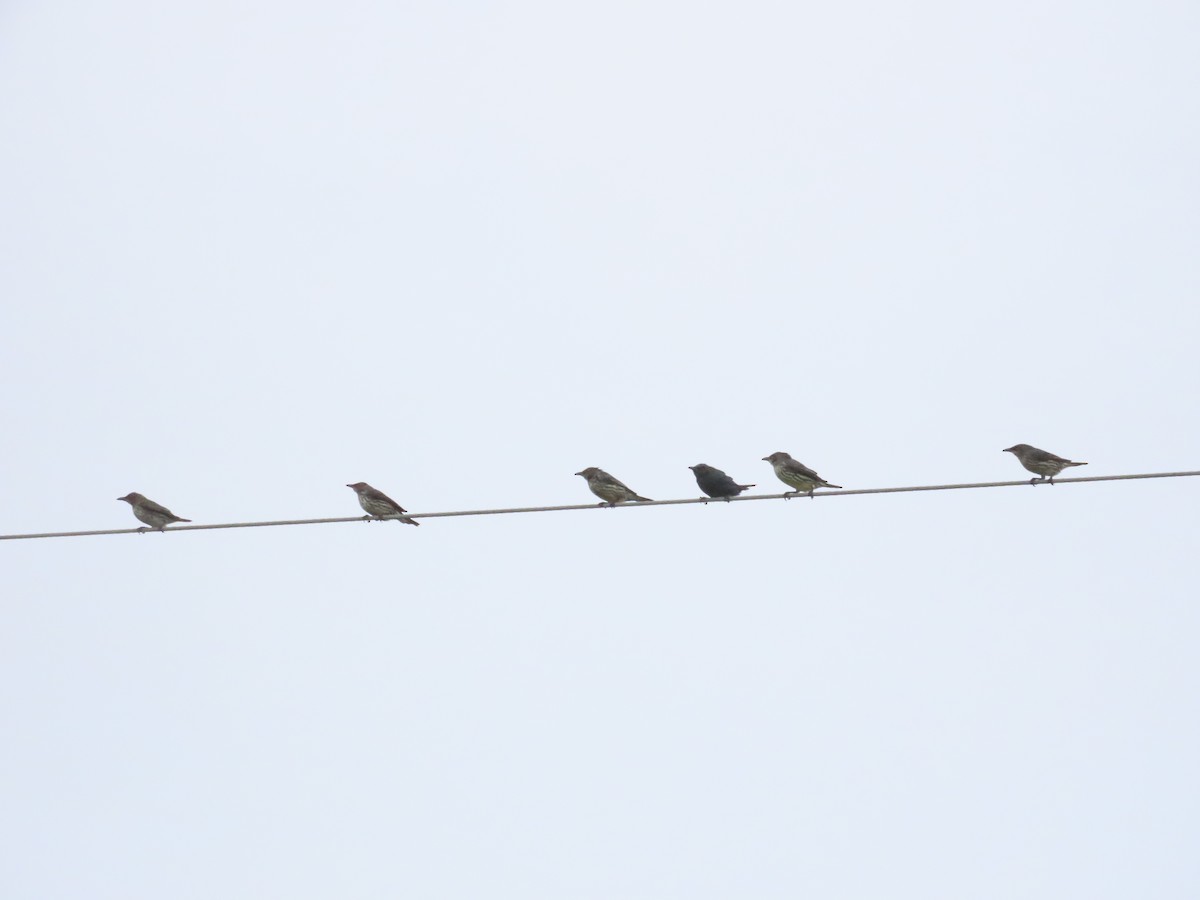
point(609, 489)
point(379, 505)
point(716, 483)
point(153, 514)
point(796, 475)
point(1040, 462)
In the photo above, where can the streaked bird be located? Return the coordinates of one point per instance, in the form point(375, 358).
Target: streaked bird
point(796, 475)
point(1040, 462)
point(609, 489)
point(153, 514)
point(716, 483)
point(379, 505)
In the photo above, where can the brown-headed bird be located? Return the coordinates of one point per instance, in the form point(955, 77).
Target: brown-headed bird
point(1039, 462)
point(609, 489)
point(796, 475)
point(379, 505)
point(716, 483)
point(153, 514)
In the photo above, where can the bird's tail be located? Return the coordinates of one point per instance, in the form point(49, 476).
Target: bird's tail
point(826, 484)
point(1076, 464)
point(182, 520)
point(745, 487)
point(638, 498)
point(407, 521)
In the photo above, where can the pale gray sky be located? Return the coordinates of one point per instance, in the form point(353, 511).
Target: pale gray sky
point(254, 251)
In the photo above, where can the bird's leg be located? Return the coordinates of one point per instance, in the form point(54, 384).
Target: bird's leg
point(142, 530)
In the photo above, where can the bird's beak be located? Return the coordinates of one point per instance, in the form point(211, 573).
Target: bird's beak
point(349, 485)
point(766, 459)
point(578, 473)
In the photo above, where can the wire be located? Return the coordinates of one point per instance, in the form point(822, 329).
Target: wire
point(532, 509)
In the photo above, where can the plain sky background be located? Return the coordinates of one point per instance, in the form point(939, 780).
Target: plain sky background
point(252, 251)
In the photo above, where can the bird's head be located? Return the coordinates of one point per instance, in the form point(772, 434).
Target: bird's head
point(359, 486)
point(588, 472)
point(1015, 448)
point(776, 457)
point(132, 498)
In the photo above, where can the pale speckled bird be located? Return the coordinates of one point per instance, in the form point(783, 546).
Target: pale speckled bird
point(1040, 462)
point(379, 505)
point(716, 483)
point(796, 475)
point(153, 514)
point(609, 489)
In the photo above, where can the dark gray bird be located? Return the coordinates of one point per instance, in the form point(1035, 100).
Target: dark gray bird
point(379, 505)
point(716, 483)
point(153, 514)
point(609, 489)
point(796, 475)
point(1039, 462)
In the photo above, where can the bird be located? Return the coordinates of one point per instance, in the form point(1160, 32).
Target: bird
point(153, 514)
point(716, 483)
point(796, 475)
point(379, 505)
point(609, 489)
point(1040, 462)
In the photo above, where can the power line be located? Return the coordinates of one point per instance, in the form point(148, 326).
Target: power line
point(532, 509)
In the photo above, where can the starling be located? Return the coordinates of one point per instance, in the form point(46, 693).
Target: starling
point(716, 483)
point(1039, 462)
point(379, 505)
point(796, 475)
point(156, 516)
point(608, 488)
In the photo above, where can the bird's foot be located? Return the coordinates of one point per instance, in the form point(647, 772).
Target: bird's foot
point(142, 530)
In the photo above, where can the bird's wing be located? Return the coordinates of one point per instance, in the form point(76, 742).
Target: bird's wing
point(1045, 456)
point(604, 478)
point(723, 482)
point(155, 507)
point(801, 469)
point(375, 494)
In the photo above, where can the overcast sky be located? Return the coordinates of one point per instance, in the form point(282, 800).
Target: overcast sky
point(253, 251)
